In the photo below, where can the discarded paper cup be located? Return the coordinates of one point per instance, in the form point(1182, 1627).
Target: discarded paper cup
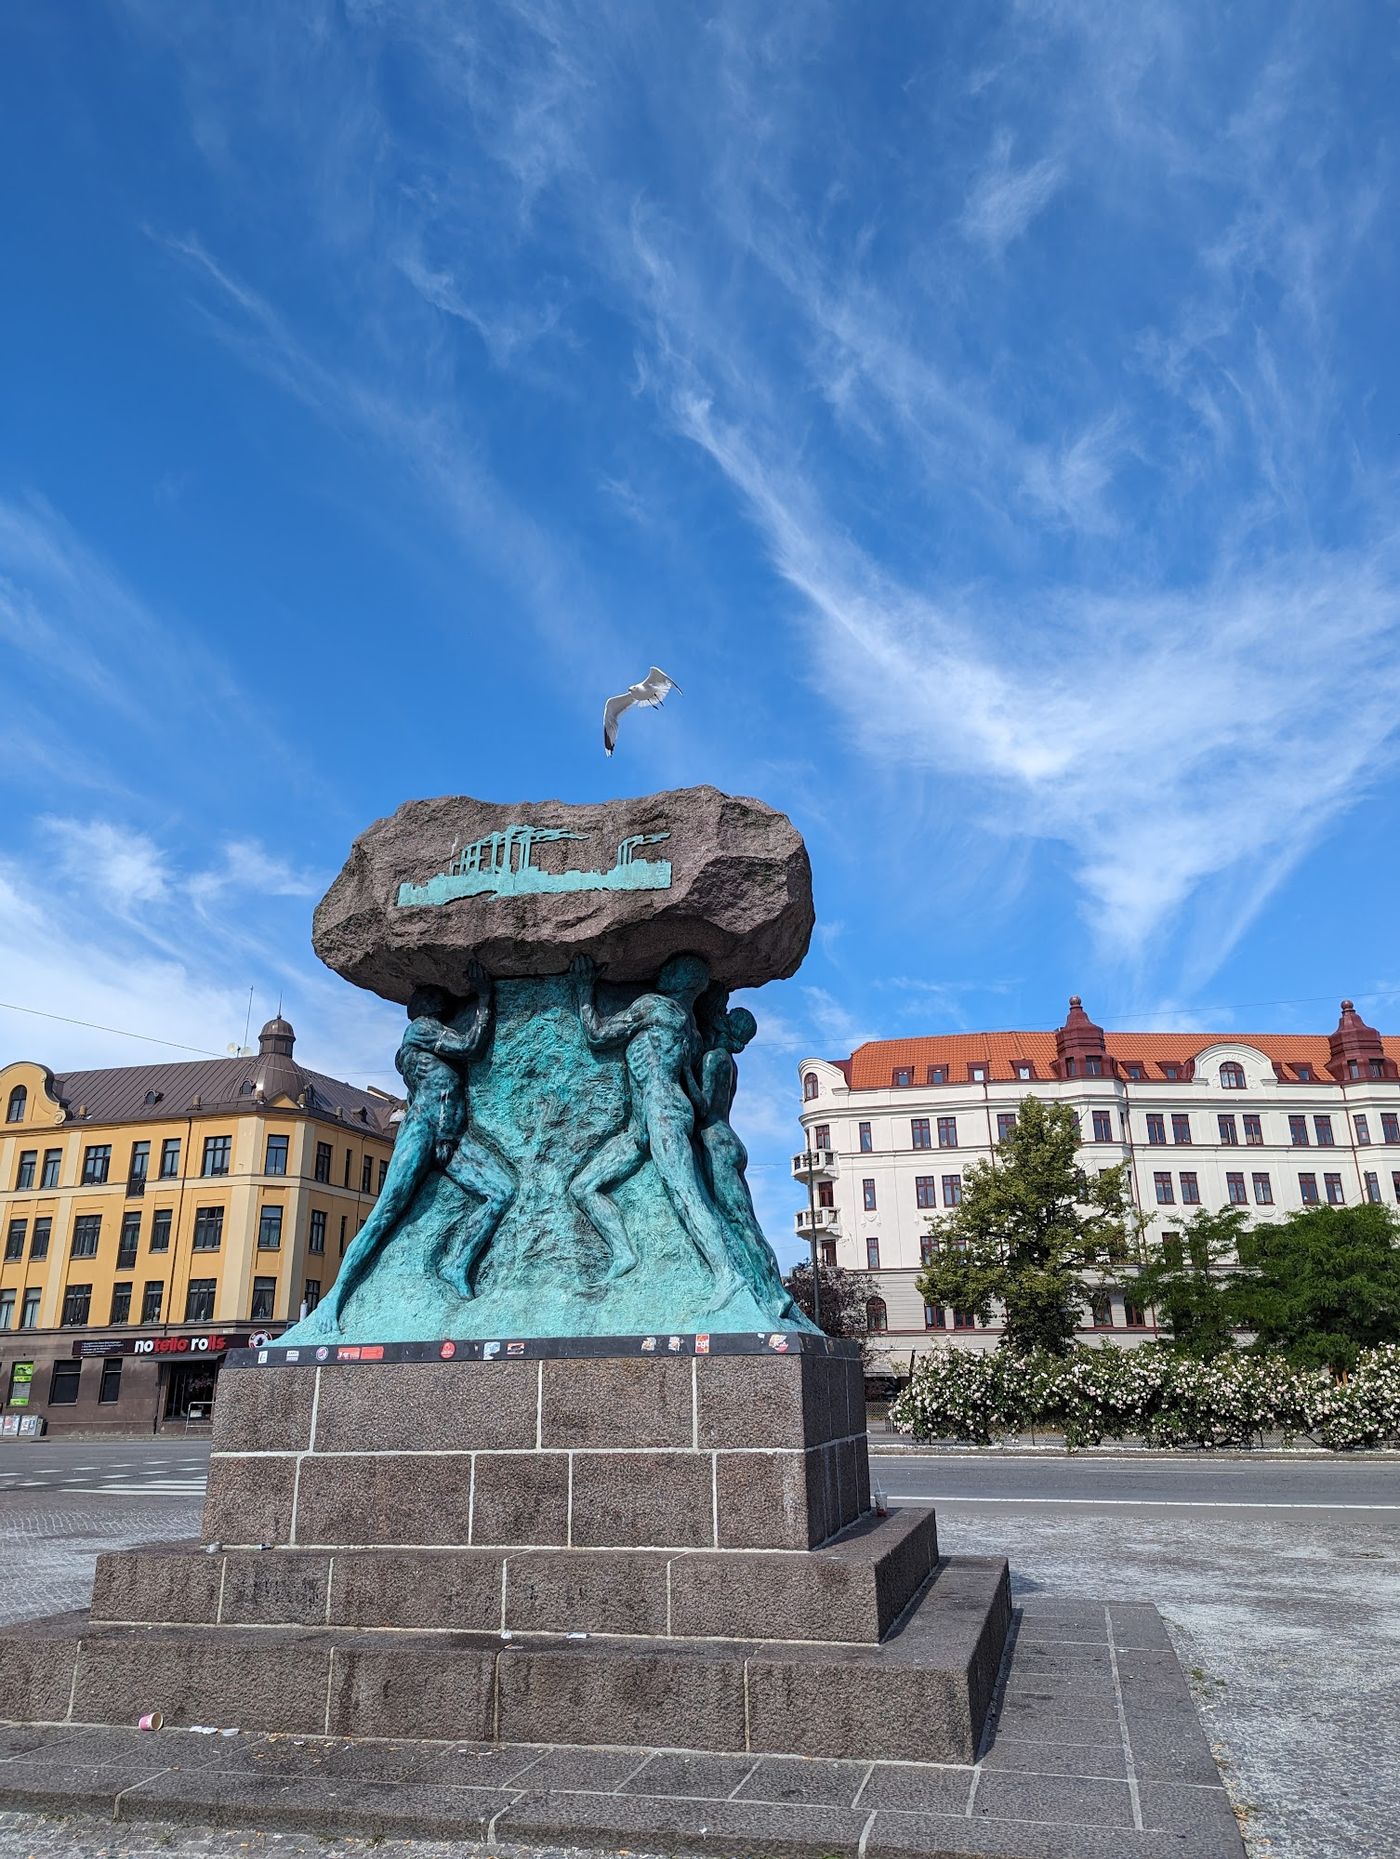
point(151, 1721)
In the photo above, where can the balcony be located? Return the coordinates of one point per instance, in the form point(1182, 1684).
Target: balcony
point(818, 1219)
point(814, 1162)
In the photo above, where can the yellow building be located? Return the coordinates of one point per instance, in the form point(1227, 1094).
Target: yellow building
point(152, 1216)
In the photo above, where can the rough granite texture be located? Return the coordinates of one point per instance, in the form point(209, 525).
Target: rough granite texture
point(740, 895)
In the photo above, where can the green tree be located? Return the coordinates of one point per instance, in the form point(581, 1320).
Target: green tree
point(1323, 1284)
point(1030, 1222)
point(1186, 1278)
point(844, 1297)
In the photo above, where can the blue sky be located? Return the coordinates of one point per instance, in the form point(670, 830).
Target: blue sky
point(989, 414)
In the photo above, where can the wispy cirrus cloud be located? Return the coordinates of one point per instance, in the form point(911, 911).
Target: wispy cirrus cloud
point(1004, 199)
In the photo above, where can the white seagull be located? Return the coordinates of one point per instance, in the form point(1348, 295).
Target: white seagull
point(653, 691)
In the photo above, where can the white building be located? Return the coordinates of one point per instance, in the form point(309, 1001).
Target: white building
point(1271, 1122)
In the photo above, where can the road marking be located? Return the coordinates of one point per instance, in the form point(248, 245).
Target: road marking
point(909, 1497)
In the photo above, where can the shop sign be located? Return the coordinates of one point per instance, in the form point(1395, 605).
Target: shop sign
point(156, 1345)
point(21, 1379)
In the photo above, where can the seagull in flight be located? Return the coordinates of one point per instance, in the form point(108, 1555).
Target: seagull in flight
point(653, 691)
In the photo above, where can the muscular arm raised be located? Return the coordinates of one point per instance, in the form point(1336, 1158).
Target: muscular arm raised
point(614, 1029)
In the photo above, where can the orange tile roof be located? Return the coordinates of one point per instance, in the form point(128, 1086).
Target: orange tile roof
point(872, 1066)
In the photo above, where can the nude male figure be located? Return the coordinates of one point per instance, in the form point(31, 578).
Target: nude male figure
point(662, 1045)
point(435, 1134)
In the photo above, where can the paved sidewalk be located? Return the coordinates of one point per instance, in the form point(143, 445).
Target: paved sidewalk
point(1095, 1752)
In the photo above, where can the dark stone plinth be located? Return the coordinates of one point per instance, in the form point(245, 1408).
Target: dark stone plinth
point(623, 1450)
point(851, 1591)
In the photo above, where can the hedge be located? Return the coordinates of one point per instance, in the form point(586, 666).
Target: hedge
point(1152, 1394)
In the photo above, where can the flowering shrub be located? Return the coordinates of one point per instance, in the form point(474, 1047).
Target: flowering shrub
point(1152, 1394)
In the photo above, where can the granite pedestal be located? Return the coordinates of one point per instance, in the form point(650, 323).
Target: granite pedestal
point(549, 1542)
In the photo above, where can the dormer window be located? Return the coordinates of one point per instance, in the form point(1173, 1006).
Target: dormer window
point(938, 1074)
point(1171, 1072)
point(1093, 1066)
point(1069, 1068)
point(1231, 1076)
point(979, 1074)
point(1303, 1073)
point(1023, 1071)
point(1375, 1069)
point(1134, 1070)
point(19, 1100)
point(904, 1074)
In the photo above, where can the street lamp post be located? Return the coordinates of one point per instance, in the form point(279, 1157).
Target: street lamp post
point(812, 1227)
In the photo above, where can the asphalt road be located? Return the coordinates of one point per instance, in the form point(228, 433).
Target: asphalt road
point(1279, 1582)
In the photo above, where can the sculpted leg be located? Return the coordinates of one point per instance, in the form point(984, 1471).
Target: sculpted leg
point(412, 1154)
point(670, 1128)
point(725, 1158)
point(617, 1161)
point(481, 1172)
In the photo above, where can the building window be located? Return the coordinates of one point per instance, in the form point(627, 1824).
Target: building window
point(317, 1240)
point(810, 1087)
point(1234, 1190)
point(821, 1138)
point(1323, 1126)
point(1253, 1132)
point(170, 1158)
point(1171, 1073)
point(1093, 1066)
point(87, 1232)
point(311, 1294)
point(952, 1190)
point(1232, 1076)
point(28, 1164)
point(384, 1175)
point(928, 1249)
point(1181, 1128)
point(269, 1229)
point(1069, 1068)
point(1134, 1071)
point(933, 1317)
point(323, 1156)
point(1395, 1182)
point(979, 1074)
point(1229, 1130)
point(947, 1132)
point(938, 1074)
point(827, 1250)
point(1023, 1072)
point(218, 1152)
point(53, 1163)
point(1101, 1310)
point(1163, 1186)
point(1303, 1073)
point(919, 1133)
point(39, 1245)
point(1307, 1189)
point(138, 1166)
point(264, 1297)
point(826, 1195)
point(128, 1239)
point(19, 1098)
point(924, 1191)
point(151, 1299)
point(366, 1174)
point(1263, 1191)
point(1298, 1132)
point(1103, 1127)
point(1363, 1130)
point(904, 1075)
point(1156, 1128)
point(1390, 1126)
point(1190, 1191)
point(877, 1318)
point(63, 1384)
point(121, 1303)
point(160, 1229)
point(199, 1301)
point(7, 1309)
point(865, 1139)
point(275, 1161)
point(1006, 1123)
point(29, 1311)
point(1375, 1068)
point(109, 1388)
point(1373, 1186)
point(1134, 1316)
point(964, 1320)
point(14, 1239)
point(208, 1229)
point(1333, 1185)
point(97, 1163)
point(867, 1194)
point(77, 1301)
point(872, 1254)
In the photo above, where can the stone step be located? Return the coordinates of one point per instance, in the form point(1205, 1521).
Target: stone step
point(921, 1695)
point(853, 1589)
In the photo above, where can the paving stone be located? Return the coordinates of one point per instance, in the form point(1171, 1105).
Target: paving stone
point(686, 1698)
point(1036, 1610)
point(1104, 1760)
point(480, 1765)
point(604, 1591)
point(657, 1824)
point(1087, 1692)
point(427, 1406)
point(672, 1772)
point(325, 1805)
point(1050, 1632)
point(23, 1739)
point(1040, 1656)
point(100, 1745)
point(316, 1757)
point(439, 1688)
point(599, 1770)
point(407, 1499)
point(521, 1498)
point(914, 1788)
point(617, 1401)
point(455, 1588)
point(812, 1779)
point(1045, 1721)
point(1138, 1626)
point(651, 1499)
point(1151, 1670)
point(56, 1787)
point(1048, 1797)
point(1173, 1805)
point(943, 1836)
point(1173, 1752)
